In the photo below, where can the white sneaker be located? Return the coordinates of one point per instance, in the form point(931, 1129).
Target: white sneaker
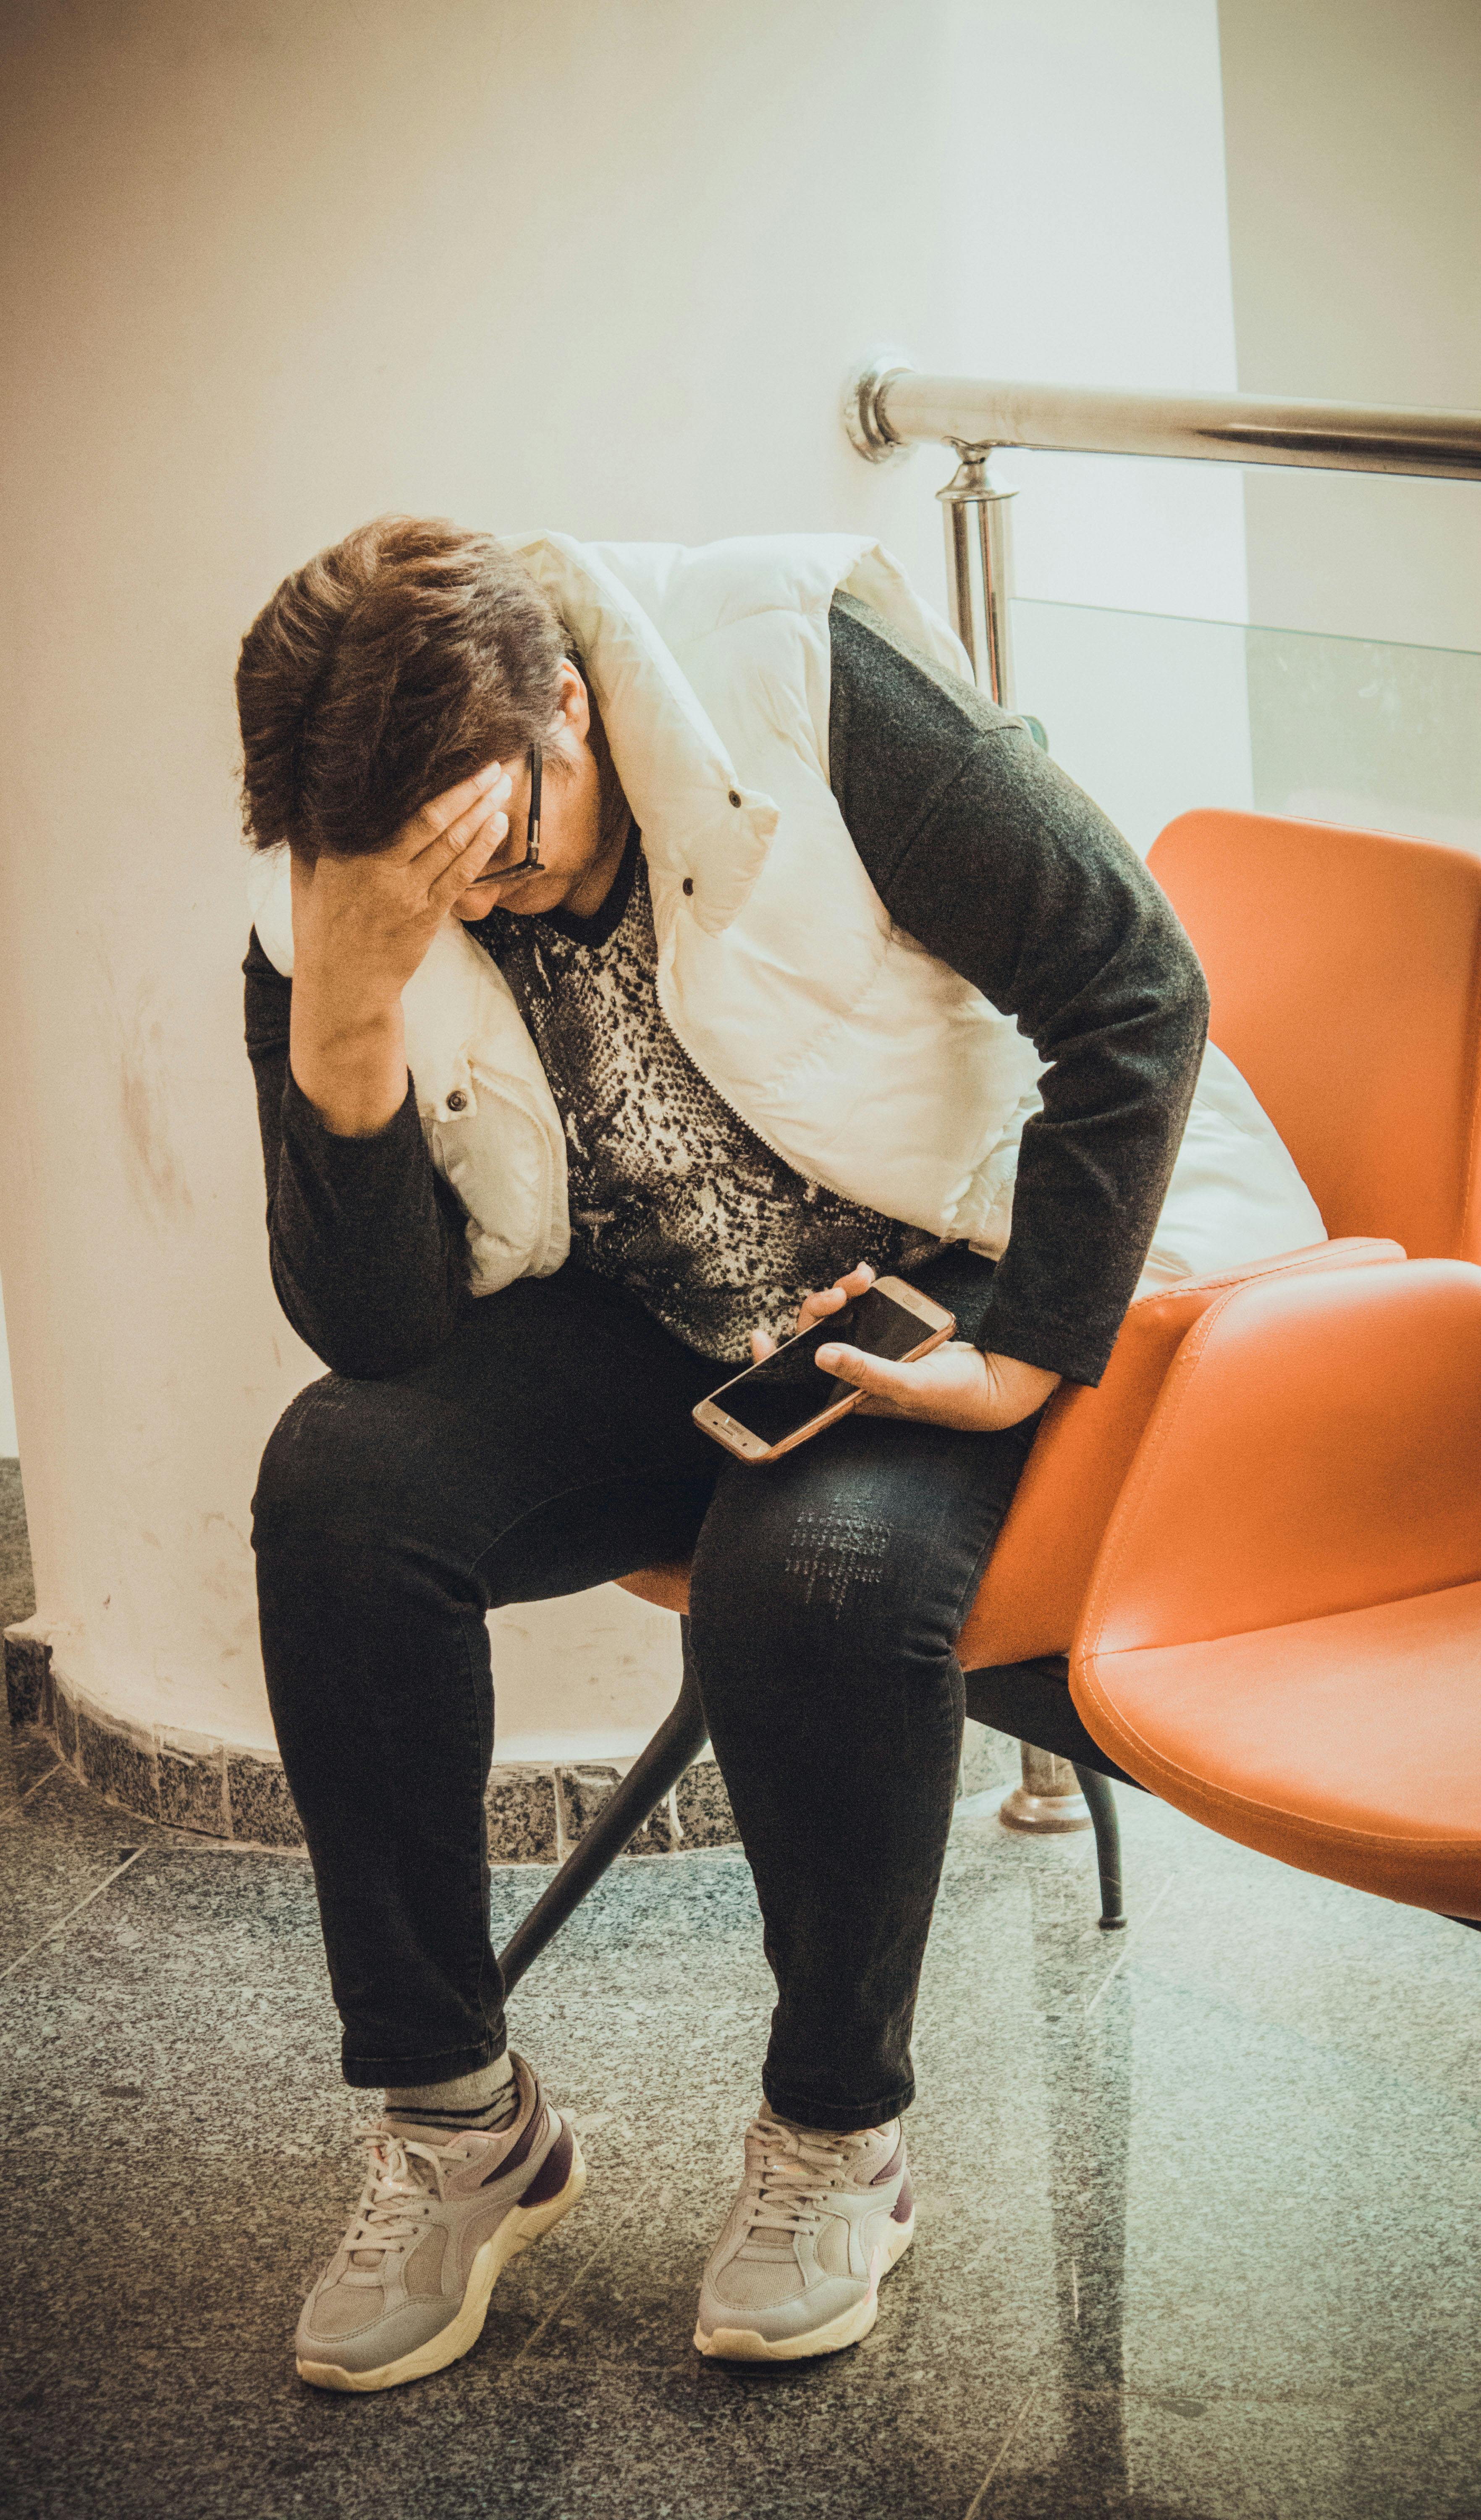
point(818, 2219)
point(407, 2290)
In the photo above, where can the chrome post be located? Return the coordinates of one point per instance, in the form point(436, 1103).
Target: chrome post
point(975, 510)
point(1049, 1799)
point(979, 569)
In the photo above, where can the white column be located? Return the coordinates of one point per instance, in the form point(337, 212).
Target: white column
point(275, 270)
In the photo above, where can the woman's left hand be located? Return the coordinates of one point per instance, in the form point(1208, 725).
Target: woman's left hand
point(956, 1385)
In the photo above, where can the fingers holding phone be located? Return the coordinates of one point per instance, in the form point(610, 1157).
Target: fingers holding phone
point(818, 1307)
point(786, 1397)
point(930, 1376)
point(947, 1388)
point(956, 1386)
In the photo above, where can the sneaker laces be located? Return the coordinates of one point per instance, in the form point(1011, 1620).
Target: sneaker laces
point(786, 2187)
point(395, 2201)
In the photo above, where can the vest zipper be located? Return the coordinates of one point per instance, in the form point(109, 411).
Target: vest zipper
point(720, 1096)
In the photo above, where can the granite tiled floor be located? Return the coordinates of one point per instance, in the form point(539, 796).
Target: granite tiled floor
point(1199, 2230)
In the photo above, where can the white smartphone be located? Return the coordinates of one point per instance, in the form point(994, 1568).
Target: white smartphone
point(779, 1403)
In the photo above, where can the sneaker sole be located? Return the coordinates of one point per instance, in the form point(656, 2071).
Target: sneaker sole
point(748, 2345)
point(523, 2224)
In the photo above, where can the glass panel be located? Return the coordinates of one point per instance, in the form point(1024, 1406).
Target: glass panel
point(1154, 714)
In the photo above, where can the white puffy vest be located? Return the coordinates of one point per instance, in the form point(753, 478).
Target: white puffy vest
point(854, 1053)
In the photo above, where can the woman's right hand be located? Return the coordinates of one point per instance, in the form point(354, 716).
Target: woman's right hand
point(362, 925)
point(817, 1307)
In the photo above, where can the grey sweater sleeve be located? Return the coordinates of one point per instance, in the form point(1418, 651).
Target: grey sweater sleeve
point(366, 1241)
point(983, 850)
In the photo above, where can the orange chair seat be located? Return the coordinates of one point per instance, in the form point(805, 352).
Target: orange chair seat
point(1284, 1633)
point(1349, 1746)
point(666, 1586)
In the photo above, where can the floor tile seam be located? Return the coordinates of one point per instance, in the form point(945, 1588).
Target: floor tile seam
point(1132, 1939)
point(62, 1922)
point(1016, 2425)
point(34, 1788)
point(581, 2273)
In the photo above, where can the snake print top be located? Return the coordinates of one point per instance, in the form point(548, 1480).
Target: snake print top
point(671, 1194)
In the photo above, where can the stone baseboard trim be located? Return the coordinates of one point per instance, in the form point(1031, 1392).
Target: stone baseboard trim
point(236, 1797)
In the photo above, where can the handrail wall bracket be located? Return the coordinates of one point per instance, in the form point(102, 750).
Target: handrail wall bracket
point(868, 431)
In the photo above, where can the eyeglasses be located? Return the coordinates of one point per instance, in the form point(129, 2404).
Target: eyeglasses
point(531, 862)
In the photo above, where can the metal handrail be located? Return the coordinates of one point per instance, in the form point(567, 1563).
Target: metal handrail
point(889, 407)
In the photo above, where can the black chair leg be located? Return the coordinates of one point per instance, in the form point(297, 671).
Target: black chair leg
point(1100, 1796)
point(675, 1746)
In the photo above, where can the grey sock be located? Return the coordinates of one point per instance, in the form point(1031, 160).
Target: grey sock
point(483, 2103)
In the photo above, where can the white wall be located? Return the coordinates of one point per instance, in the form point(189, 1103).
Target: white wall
point(274, 270)
point(1091, 247)
point(1353, 132)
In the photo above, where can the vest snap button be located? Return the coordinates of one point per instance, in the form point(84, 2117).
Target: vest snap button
point(689, 884)
point(457, 1102)
point(734, 795)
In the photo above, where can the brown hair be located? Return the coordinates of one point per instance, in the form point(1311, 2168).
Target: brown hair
point(394, 665)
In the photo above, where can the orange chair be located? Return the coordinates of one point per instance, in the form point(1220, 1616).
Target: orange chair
point(1344, 970)
point(1283, 1629)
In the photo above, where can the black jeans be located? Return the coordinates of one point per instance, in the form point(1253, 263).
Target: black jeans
point(548, 1447)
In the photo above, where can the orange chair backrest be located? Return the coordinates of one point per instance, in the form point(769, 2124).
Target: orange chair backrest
point(1346, 972)
point(1316, 1448)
